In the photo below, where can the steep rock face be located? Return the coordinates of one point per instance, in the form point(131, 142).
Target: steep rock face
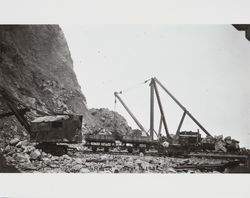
point(37, 69)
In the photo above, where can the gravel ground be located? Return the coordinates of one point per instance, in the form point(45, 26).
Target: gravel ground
point(26, 158)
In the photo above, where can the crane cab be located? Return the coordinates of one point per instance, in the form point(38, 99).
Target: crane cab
point(58, 128)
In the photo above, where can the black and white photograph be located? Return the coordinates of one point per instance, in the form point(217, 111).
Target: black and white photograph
point(124, 100)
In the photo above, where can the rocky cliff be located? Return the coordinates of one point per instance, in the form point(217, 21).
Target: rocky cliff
point(36, 67)
point(37, 70)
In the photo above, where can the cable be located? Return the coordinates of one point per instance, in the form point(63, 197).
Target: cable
point(115, 104)
point(133, 86)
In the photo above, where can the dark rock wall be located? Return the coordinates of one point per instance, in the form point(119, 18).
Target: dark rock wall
point(37, 70)
point(36, 67)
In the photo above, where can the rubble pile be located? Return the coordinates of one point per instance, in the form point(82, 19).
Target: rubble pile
point(26, 158)
point(222, 145)
point(11, 129)
point(109, 121)
point(37, 72)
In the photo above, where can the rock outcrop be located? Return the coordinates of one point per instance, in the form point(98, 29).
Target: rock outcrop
point(108, 121)
point(36, 70)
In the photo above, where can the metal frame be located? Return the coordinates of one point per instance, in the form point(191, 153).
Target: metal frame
point(182, 107)
point(161, 108)
point(154, 91)
point(130, 113)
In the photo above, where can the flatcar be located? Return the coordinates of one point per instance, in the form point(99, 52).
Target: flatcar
point(124, 142)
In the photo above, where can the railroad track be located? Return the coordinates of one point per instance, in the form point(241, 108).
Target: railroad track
point(229, 156)
point(233, 160)
point(241, 157)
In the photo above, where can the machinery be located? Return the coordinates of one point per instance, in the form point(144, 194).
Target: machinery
point(182, 140)
point(47, 130)
point(121, 141)
point(115, 140)
point(189, 139)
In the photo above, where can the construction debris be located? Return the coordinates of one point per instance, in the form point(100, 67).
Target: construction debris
point(29, 159)
point(222, 145)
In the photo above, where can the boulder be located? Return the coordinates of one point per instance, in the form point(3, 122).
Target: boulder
point(24, 133)
point(46, 160)
point(227, 138)
point(22, 157)
point(78, 160)
point(129, 164)
point(138, 161)
point(14, 141)
point(66, 157)
point(22, 143)
point(220, 146)
point(28, 149)
point(18, 150)
point(28, 166)
point(219, 137)
point(104, 157)
point(49, 155)
point(53, 165)
point(228, 141)
point(35, 154)
point(2, 144)
point(145, 165)
point(185, 161)
point(10, 159)
point(171, 170)
point(14, 128)
point(7, 149)
point(76, 168)
point(54, 158)
point(12, 151)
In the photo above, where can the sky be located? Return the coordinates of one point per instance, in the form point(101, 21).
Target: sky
point(206, 67)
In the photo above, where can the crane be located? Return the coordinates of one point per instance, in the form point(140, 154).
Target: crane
point(154, 92)
point(185, 111)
